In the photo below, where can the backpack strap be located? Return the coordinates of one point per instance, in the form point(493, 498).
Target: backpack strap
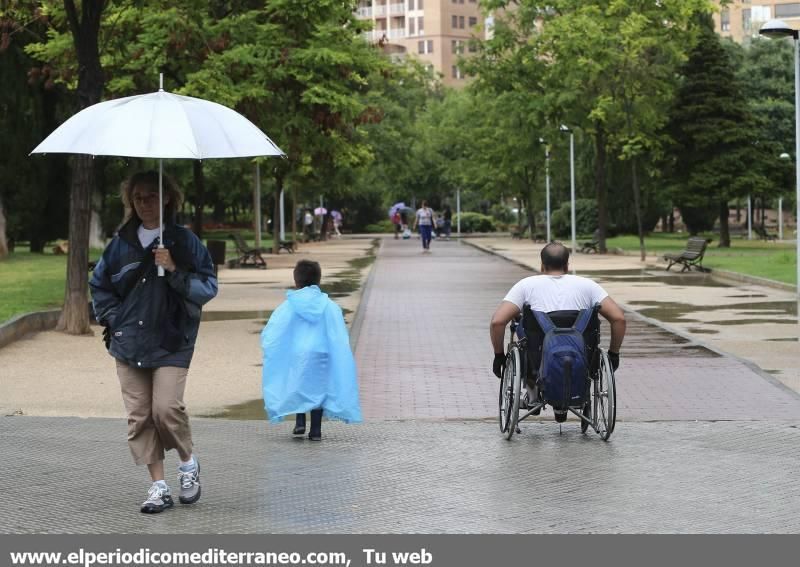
point(582, 321)
point(545, 323)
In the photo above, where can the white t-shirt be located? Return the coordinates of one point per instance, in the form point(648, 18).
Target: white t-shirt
point(146, 235)
point(556, 293)
point(425, 217)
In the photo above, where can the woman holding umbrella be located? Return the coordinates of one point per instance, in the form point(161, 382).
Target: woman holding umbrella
point(151, 325)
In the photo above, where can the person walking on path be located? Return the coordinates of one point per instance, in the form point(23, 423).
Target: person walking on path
point(308, 364)
point(151, 325)
point(447, 221)
point(555, 290)
point(424, 219)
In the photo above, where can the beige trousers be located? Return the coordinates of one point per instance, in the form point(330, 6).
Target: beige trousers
point(157, 418)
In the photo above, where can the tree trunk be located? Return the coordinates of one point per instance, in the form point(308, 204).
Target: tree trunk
point(276, 229)
point(724, 228)
point(74, 317)
point(671, 219)
point(637, 200)
point(601, 190)
point(3, 238)
point(200, 197)
point(294, 213)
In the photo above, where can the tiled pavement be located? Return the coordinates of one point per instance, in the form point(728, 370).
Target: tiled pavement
point(429, 457)
point(424, 353)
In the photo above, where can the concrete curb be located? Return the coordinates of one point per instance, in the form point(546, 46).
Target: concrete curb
point(27, 323)
point(358, 318)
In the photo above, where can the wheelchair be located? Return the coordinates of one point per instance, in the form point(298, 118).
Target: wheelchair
point(596, 407)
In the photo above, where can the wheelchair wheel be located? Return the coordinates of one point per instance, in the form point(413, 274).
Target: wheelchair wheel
point(510, 386)
point(604, 402)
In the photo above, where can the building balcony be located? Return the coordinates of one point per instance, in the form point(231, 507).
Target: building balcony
point(397, 9)
point(364, 12)
point(376, 35)
point(379, 11)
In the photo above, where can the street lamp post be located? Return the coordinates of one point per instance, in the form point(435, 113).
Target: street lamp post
point(546, 184)
point(564, 128)
point(780, 205)
point(749, 218)
point(777, 29)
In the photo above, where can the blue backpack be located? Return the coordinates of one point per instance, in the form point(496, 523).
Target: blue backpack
point(564, 365)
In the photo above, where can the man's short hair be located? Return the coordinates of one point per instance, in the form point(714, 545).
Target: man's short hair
point(306, 273)
point(555, 256)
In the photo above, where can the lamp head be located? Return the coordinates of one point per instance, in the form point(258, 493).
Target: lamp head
point(564, 128)
point(784, 155)
point(775, 29)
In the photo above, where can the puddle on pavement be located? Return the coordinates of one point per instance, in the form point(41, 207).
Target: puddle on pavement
point(642, 276)
point(235, 315)
point(752, 322)
point(251, 283)
point(784, 340)
point(675, 312)
point(748, 295)
point(252, 410)
point(701, 331)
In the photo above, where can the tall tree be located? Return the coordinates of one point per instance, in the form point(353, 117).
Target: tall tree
point(714, 158)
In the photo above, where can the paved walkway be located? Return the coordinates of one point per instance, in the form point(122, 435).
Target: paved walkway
point(705, 442)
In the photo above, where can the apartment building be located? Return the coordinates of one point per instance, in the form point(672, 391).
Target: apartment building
point(437, 32)
point(740, 20)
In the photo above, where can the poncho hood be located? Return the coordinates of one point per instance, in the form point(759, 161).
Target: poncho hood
point(308, 303)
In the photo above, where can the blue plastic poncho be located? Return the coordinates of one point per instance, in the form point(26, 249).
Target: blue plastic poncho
point(308, 363)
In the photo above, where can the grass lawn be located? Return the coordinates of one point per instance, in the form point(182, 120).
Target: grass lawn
point(33, 282)
point(771, 260)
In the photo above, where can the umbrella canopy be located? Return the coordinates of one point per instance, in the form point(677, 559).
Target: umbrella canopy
point(159, 125)
point(395, 208)
point(336, 215)
point(320, 211)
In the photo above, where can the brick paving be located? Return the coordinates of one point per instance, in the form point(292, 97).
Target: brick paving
point(423, 350)
point(71, 475)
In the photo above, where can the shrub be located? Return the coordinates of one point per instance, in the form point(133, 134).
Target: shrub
point(585, 218)
point(475, 222)
point(380, 226)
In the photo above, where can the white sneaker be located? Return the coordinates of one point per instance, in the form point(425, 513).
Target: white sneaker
point(158, 499)
point(190, 484)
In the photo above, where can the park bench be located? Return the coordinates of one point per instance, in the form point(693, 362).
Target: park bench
point(248, 256)
point(692, 255)
point(518, 232)
point(762, 233)
point(593, 246)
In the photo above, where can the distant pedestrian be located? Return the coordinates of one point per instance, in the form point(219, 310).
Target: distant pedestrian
point(337, 223)
point(308, 225)
point(308, 364)
point(424, 220)
point(447, 221)
point(397, 221)
point(151, 325)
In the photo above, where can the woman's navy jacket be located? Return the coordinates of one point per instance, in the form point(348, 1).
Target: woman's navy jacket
point(137, 321)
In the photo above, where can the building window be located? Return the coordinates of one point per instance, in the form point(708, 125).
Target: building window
point(473, 46)
point(725, 20)
point(747, 22)
point(461, 22)
point(454, 22)
point(420, 47)
point(787, 10)
point(421, 25)
point(456, 72)
point(473, 21)
point(430, 46)
point(410, 4)
point(457, 46)
point(411, 22)
point(419, 4)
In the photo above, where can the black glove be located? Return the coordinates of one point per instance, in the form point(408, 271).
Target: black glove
point(499, 364)
point(613, 358)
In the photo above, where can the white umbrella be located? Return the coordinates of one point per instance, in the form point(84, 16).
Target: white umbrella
point(159, 125)
point(319, 211)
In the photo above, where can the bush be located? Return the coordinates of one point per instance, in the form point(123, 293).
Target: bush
point(475, 222)
point(585, 218)
point(380, 226)
point(502, 213)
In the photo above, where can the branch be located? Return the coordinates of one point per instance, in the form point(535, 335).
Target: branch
point(72, 18)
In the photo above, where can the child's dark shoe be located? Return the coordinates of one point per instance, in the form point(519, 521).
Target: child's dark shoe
point(299, 424)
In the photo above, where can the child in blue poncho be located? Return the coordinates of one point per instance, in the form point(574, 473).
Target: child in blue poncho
point(308, 365)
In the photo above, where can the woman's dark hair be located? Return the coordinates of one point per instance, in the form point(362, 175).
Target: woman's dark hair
point(306, 273)
point(172, 195)
point(555, 256)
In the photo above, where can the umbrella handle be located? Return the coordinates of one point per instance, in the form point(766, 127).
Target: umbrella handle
point(161, 268)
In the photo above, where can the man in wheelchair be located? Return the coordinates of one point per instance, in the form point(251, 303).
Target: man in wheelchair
point(562, 297)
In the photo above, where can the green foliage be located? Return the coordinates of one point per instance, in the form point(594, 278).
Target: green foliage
point(585, 218)
point(382, 226)
point(475, 222)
